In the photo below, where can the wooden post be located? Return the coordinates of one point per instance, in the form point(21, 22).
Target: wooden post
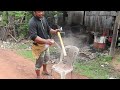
point(115, 35)
point(114, 40)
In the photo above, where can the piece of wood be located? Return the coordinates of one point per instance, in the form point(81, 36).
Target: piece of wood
point(12, 37)
point(115, 35)
point(114, 40)
point(61, 41)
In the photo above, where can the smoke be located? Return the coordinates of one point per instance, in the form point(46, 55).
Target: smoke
point(75, 39)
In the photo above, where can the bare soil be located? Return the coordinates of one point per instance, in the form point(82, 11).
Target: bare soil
point(13, 66)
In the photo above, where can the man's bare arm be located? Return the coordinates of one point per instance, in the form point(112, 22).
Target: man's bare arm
point(43, 41)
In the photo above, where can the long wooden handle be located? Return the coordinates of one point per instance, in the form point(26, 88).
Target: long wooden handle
point(63, 48)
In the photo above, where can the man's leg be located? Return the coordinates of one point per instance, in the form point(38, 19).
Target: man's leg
point(46, 59)
point(37, 73)
point(45, 68)
point(38, 65)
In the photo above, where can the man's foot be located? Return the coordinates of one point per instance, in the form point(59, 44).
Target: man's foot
point(38, 77)
point(45, 73)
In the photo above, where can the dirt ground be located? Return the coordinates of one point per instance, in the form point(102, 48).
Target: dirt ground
point(13, 66)
point(116, 64)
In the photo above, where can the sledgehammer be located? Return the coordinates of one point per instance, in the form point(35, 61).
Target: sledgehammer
point(61, 41)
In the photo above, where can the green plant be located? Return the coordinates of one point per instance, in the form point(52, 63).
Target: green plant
point(21, 19)
point(4, 18)
point(95, 69)
point(106, 58)
point(23, 30)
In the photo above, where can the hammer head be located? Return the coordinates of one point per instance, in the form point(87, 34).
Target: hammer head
point(60, 29)
point(61, 32)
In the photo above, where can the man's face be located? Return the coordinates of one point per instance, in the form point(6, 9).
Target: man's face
point(39, 14)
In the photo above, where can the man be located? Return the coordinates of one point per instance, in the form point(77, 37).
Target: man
point(40, 33)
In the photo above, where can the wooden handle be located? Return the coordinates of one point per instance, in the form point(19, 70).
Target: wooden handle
point(63, 48)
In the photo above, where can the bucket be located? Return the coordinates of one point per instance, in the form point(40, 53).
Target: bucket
point(96, 45)
point(101, 45)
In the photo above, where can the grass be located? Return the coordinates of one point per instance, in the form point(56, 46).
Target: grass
point(95, 69)
point(21, 46)
point(26, 54)
point(21, 49)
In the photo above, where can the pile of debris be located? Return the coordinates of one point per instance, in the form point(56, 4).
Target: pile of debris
point(14, 45)
point(88, 53)
point(6, 45)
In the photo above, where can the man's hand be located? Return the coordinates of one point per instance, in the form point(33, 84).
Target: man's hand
point(50, 41)
point(55, 31)
point(59, 30)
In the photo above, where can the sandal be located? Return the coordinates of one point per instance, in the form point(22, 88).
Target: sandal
point(39, 77)
point(45, 73)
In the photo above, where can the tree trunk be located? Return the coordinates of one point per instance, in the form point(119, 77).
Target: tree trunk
point(12, 25)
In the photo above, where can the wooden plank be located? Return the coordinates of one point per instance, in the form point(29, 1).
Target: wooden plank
point(87, 13)
point(115, 35)
point(109, 22)
point(114, 40)
point(87, 21)
point(113, 13)
point(107, 13)
point(102, 13)
point(75, 17)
